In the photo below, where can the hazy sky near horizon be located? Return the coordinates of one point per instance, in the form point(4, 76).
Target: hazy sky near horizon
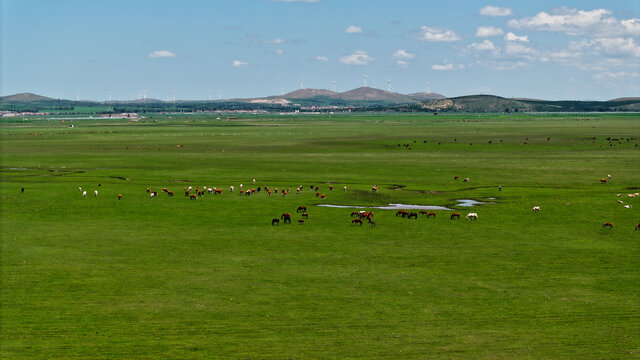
point(250, 48)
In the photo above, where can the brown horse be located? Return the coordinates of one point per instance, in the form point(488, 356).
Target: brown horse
point(300, 221)
point(607, 224)
point(301, 209)
point(286, 217)
point(275, 221)
point(356, 221)
point(305, 215)
point(455, 215)
point(355, 213)
point(638, 226)
point(431, 214)
point(412, 215)
point(403, 213)
point(193, 197)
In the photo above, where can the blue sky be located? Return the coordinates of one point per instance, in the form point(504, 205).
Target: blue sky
point(249, 48)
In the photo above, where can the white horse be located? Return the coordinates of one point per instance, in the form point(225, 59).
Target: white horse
point(472, 216)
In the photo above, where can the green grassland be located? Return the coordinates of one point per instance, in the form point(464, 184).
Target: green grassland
point(168, 277)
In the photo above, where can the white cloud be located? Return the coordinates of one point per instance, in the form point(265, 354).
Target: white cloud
point(513, 37)
point(275, 41)
point(487, 31)
point(279, 51)
point(594, 23)
point(486, 45)
point(437, 34)
point(238, 63)
point(353, 30)
point(445, 67)
point(402, 63)
point(619, 46)
point(322, 58)
point(358, 57)
point(607, 75)
point(402, 54)
point(495, 11)
point(514, 48)
point(161, 54)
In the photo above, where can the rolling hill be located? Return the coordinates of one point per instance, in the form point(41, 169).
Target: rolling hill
point(24, 97)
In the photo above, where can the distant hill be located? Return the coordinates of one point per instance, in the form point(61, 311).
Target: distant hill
point(372, 94)
point(626, 99)
point(308, 93)
point(422, 96)
point(25, 97)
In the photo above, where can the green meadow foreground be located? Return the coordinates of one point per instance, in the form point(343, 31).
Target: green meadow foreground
point(168, 277)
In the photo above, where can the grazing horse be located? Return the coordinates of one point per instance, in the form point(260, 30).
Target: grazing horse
point(603, 181)
point(472, 216)
point(455, 215)
point(275, 221)
point(355, 213)
point(638, 226)
point(356, 221)
point(535, 208)
point(301, 209)
point(286, 218)
point(607, 224)
point(301, 221)
point(412, 215)
point(431, 214)
point(403, 213)
point(465, 180)
point(305, 215)
point(422, 212)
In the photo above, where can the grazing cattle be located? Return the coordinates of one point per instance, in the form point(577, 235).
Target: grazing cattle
point(95, 193)
point(422, 212)
point(465, 180)
point(412, 215)
point(254, 181)
point(301, 209)
point(286, 217)
point(189, 189)
point(618, 195)
point(609, 177)
point(148, 190)
point(631, 196)
point(301, 221)
point(638, 226)
point(627, 206)
point(247, 193)
point(374, 188)
point(152, 195)
point(403, 213)
point(268, 192)
point(345, 188)
point(356, 222)
point(275, 222)
point(165, 189)
point(169, 192)
point(231, 188)
point(119, 196)
point(603, 181)
point(456, 177)
point(317, 194)
point(330, 187)
point(186, 192)
point(431, 214)
point(217, 191)
point(535, 208)
point(607, 225)
point(298, 191)
point(84, 193)
point(22, 190)
point(472, 216)
point(210, 190)
point(317, 188)
point(305, 215)
point(323, 196)
point(193, 197)
point(455, 215)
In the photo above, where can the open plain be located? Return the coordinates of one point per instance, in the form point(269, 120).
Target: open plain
point(170, 277)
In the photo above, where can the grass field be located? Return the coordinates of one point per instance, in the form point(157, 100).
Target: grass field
point(152, 278)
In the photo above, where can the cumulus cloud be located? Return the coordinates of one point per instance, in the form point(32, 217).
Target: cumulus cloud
point(402, 54)
point(402, 63)
point(352, 29)
point(513, 37)
point(161, 54)
point(358, 57)
point(495, 11)
point(486, 45)
point(487, 31)
point(437, 34)
point(322, 58)
point(446, 67)
point(594, 23)
point(238, 63)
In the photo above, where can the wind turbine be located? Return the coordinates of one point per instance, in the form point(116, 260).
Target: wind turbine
point(301, 82)
point(333, 86)
point(219, 94)
point(282, 92)
point(77, 96)
point(365, 80)
point(173, 93)
point(144, 95)
point(389, 85)
point(428, 87)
